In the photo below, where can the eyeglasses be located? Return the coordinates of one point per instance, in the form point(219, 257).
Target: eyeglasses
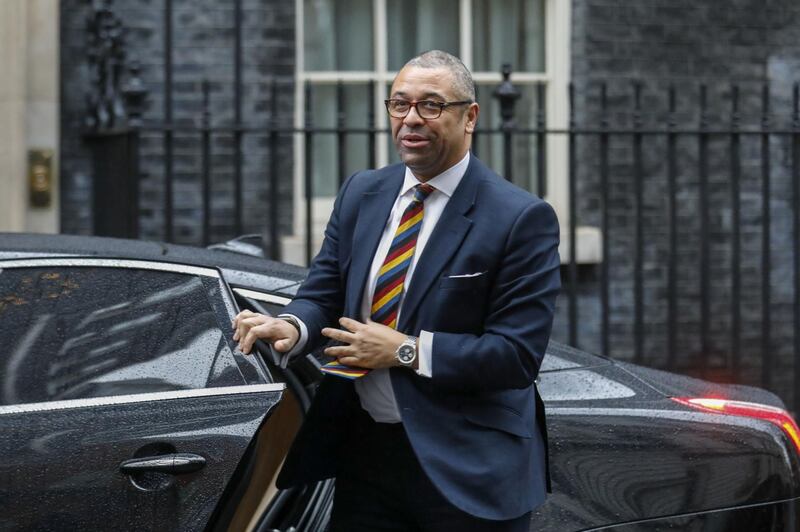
point(426, 109)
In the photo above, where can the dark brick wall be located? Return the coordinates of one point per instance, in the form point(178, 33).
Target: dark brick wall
point(203, 48)
point(688, 43)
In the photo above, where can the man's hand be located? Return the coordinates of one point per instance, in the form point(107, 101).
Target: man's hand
point(249, 327)
point(372, 345)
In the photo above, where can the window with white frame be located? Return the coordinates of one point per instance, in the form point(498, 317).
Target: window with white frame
point(358, 42)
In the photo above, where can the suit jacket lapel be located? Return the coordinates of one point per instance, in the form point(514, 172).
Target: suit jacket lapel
point(446, 238)
point(373, 212)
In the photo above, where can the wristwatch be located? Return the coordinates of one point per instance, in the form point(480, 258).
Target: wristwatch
point(406, 354)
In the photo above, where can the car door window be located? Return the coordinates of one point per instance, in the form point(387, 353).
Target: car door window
point(79, 332)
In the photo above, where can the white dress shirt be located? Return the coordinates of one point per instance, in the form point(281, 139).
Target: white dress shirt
point(375, 389)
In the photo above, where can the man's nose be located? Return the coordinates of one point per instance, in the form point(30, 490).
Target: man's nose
point(413, 117)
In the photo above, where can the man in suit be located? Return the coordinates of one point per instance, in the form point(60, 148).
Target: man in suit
point(437, 279)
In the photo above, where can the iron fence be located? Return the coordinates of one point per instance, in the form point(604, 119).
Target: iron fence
point(718, 161)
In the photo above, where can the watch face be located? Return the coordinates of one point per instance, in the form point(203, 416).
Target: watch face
point(406, 353)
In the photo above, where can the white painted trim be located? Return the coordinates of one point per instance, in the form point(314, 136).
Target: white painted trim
point(261, 296)
point(382, 78)
point(588, 246)
point(71, 404)
point(557, 62)
point(524, 78)
point(465, 31)
point(382, 122)
point(299, 112)
point(300, 34)
point(388, 76)
point(293, 246)
point(110, 263)
point(350, 76)
point(380, 36)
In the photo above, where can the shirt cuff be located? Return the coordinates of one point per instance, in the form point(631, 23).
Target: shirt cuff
point(298, 347)
point(424, 354)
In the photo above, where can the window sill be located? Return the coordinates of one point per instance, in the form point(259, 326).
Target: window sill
point(589, 245)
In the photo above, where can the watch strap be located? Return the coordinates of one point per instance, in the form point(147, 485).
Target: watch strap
point(293, 322)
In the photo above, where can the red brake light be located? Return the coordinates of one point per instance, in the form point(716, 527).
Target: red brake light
point(776, 416)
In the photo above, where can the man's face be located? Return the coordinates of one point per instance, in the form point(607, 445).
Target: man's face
point(429, 147)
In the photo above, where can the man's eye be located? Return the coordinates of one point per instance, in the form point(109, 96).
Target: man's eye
point(429, 105)
point(400, 106)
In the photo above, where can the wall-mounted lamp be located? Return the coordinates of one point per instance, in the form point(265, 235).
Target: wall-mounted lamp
point(40, 177)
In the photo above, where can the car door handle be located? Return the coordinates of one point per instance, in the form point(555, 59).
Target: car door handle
point(173, 464)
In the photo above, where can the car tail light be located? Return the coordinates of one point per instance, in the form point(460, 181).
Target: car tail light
point(776, 416)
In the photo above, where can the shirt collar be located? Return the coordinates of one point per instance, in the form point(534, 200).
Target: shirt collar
point(446, 182)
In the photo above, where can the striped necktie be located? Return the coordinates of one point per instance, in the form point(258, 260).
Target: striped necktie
point(392, 275)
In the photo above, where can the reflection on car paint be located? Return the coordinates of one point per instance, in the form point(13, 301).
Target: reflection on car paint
point(581, 385)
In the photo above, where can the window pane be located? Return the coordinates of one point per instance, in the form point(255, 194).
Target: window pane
point(488, 146)
point(355, 149)
point(508, 31)
point(70, 333)
point(415, 26)
point(338, 35)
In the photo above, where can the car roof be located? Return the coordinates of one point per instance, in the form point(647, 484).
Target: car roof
point(238, 269)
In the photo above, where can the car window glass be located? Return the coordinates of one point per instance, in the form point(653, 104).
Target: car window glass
point(79, 332)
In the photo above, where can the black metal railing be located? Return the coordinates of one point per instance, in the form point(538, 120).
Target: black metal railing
point(772, 140)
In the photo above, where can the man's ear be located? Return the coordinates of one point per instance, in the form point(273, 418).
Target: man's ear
point(472, 117)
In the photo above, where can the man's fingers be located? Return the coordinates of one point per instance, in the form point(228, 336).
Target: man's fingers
point(338, 334)
point(350, 324)
point(246, 323)
point(353, 362)
point(265, 332)
point(269, 331)
point(257, 319)
point(246, 344)
point(239, 317)
point(340, 351)
point(244, 320)
point(282, 346)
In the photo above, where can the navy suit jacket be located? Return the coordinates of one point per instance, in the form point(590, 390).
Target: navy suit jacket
point(477, 426)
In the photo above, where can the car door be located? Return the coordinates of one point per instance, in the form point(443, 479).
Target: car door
point(123, 402)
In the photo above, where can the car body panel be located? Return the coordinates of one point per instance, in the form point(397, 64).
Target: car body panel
point(61, 465)
point(675, 385)
point(621, 451)
point(778, 516)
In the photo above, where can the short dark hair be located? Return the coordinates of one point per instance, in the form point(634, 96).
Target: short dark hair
point(464, 84)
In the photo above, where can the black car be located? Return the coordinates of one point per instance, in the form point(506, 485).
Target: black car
point(124, 405)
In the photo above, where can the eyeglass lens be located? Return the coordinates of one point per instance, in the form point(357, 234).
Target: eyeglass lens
point(425, 108)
